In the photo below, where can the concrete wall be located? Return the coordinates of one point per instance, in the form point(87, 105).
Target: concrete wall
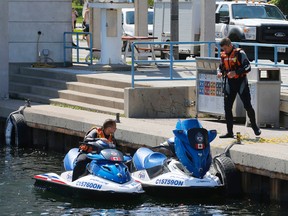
point(160, 102)
point(28, 17)
point(4, 51)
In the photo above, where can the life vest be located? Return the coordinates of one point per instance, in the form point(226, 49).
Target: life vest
point(90, 148)
point(100, 134)
point(231, 62)
point(87, 148)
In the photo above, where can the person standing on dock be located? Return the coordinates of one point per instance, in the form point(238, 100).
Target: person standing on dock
point(233, 69)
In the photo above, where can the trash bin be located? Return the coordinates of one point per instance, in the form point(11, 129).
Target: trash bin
point(265, 86)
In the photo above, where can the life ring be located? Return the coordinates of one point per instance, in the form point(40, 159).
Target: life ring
point(229, 176)
point(16, 130)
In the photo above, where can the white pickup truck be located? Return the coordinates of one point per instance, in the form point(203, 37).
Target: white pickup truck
point(243, 21)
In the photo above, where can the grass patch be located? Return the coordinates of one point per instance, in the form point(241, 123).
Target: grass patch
point(78, 30)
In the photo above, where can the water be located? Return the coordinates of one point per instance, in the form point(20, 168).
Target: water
point(18, 196)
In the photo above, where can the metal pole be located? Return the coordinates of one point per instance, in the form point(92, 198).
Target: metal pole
point(132, 66)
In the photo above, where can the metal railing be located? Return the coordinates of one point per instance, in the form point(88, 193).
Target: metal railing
point(171, 59)
point(210, 45)
point(68, 44)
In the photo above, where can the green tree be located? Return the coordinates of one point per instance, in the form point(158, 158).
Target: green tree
point(282, 4)
point(78, 2)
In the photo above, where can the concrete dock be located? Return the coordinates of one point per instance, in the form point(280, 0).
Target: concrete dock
point(265, 156)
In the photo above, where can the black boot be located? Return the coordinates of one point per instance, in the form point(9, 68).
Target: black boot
point(228, 135)
point(256, 130)
point(251, 115)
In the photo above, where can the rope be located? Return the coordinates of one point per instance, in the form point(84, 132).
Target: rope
point(245, 139)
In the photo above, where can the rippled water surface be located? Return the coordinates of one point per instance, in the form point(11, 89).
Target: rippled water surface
point(18, 196)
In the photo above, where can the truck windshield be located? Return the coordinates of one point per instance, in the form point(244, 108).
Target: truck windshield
point(130, 17)
point(256, 11)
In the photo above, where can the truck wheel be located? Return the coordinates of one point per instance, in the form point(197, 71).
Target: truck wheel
point(183, 56)
point(17, 131)
point(229, 175)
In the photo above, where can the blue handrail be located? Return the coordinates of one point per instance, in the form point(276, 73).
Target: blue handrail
point(210, 45)
point(171, 60)
point(67, 44)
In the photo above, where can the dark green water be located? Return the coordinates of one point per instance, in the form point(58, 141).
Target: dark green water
point(18, 196)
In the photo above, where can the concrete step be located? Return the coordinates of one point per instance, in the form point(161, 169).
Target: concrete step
point(67, 103)
point(85, 106)
point(96, 89)
point(89, 90)
point(50, 73)
point(100, 81)
point(58, 84)
point(19, 87)
point(33, 80)
point(34, 89)
point(100, 100)
point(77, 76)
point(44, 91)
point(31, 97)
point(92, 98)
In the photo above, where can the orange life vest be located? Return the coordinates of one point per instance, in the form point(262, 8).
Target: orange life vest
point(100, 134)
point(88, 148)
point(231, 62)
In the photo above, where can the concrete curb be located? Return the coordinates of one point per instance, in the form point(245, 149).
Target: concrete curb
point(270, 158)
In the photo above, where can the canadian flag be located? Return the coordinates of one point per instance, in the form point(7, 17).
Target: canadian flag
point(200, 146)
point(115, 159)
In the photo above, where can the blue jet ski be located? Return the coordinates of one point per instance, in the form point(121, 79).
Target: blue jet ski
point(189, 171)
point(107, 177)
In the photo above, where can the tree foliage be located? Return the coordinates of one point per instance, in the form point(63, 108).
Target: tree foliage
point(80, 2)
point(282, 4)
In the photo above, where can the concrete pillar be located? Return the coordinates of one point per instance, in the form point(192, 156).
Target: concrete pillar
point(111, 36)
point(95, 24)
point(141, 17)
point(207, 24)
point(141, 21)
point(4, 51)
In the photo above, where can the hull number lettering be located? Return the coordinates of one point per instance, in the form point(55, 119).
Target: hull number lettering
point(169, 182)
point(89, 185)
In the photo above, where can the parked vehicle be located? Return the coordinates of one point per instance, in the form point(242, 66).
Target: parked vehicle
point(188, 172)
point(128, 21)
point(253, 22)
point(189, 25)
point(107, 176)
point(241, 21)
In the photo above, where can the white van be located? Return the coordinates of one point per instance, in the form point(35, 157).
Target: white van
point(128, 21)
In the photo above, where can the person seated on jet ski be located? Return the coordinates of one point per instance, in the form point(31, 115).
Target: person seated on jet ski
point(90, 145)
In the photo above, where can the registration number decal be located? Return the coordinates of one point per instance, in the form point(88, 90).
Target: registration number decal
point(88, 185)
point(169, 182)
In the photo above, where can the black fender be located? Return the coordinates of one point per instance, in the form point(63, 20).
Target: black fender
point(229, 176)
point(236, 34)
point(16, 130)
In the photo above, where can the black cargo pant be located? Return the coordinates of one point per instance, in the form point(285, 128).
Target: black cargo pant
point(231, 89)
point(80, 166)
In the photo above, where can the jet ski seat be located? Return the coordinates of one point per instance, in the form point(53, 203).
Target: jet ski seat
point(145, 158)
